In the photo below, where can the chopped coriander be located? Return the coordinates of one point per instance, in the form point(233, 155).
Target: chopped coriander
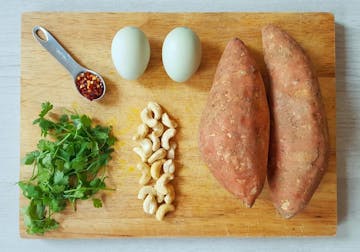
point(97, 202)
point(66, 167)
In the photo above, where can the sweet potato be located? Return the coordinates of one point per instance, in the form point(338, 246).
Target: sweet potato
point(234, 127)
point(299, 146)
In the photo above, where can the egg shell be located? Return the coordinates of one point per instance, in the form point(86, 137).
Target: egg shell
point(130, 52)
point(181, 54)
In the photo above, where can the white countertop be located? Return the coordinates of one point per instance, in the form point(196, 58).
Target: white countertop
point(347, 16)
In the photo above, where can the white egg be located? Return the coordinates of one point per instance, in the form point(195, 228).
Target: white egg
point(130, 51)
point(181, 53)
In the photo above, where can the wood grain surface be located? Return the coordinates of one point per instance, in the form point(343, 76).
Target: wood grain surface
point(203, 207)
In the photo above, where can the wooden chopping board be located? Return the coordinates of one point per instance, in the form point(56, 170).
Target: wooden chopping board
point(203, 207)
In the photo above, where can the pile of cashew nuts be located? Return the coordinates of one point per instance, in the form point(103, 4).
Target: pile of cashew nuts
point(157, 152)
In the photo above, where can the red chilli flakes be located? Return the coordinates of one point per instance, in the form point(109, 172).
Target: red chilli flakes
point(89, 85)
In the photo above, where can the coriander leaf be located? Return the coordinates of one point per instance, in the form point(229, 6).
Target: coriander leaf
point(111, 140)
point(45, 108)
point(97, 202)
point(60, 178)
point(78, 163)
point(65, 154)
point(30, 191)
point(66, 167)
point(43, 175)
point(101, 135)
point(30, 157)
point(64, 118)
point(57, 205)
point(47, 161)
point(35, 220)
point(45, 145)
point(58, 189)
point(85, 121)
point(94, 148)
point(45, 125)
point(59, 164)
point(78, 194)
point(97, 183)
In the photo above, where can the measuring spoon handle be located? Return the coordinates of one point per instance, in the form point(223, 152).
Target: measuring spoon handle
point(54, 47)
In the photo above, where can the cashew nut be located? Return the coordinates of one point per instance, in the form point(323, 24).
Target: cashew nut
point(169, 166)
point(156, 109)
point(145, 190)
point(158, 129)
point(144, 179)
point(171, 151)
point(142, 131)
point(159, 154)
point(170, 196)
point(164, 209)
point(156, 168)
point(146, 117)
point(156, 149)
point(160, 197)
point(145, 176)
point(168, 134)
point(165, 119)
point(155, 141)
point(140, 152)
point(150, 204)
point(146, 146)
point(160, 185)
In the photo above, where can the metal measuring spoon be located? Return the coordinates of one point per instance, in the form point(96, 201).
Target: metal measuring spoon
point(85, 80)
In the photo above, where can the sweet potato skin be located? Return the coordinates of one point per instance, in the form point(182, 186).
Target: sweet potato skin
point(234, 127)
point(299, 142)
